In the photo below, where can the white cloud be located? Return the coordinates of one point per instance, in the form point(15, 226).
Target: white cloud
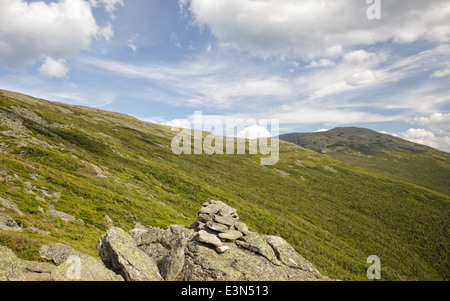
point(321, 63)
point(54, 68)
point(438, 122)
point(361, 78)
point(314, 28)
point(32, 30)
point(441, 73)
point(107, 32)
point(421, 136)
point(110, 6)
point(254, 132)
point(175, 123)
point(132, 43)
point(178, 123)
point(359, 57)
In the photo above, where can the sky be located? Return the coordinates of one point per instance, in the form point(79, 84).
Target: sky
point(311, 64)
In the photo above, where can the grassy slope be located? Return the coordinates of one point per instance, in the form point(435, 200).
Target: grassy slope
point(334, 219)
point(384, 154)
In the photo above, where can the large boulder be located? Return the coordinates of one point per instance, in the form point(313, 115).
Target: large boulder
point(288, 256)
point(119, 252)
point(172, 265)
point(13, 268)
point(76, 266)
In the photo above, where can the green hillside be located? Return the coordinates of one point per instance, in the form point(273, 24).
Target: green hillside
point(384, 154)
point(90, 163)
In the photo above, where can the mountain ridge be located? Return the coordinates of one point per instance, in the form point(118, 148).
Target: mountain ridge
point(381, 153)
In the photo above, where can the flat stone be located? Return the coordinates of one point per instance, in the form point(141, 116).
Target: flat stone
point(202, 217)
point(225, 220)
point(209, 239)
point(217, 227)
point(210, 209)
point(241, 227)
point(231, 235)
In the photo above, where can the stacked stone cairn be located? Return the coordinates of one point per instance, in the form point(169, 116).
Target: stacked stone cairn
point(217, 223)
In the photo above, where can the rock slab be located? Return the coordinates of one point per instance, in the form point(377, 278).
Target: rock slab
point(119, 253)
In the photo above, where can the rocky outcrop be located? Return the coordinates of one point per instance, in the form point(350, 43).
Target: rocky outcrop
point(119, 252)
point(75, 266)
point(15, 269)
point(218, 246)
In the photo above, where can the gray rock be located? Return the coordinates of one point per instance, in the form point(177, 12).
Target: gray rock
point(204, 218)
point(76, 266)
point(217, 227)
point(7, 223)
point(256, 243)
point(108, 222)
point(288, 256)
point(224, 220)
point(173, 263)
point(11, 267)
point(222, 249)
point(241, 227)
point(209, 239)
point(58, 253)
point(62, 215)
point(231, 235)
point(203, 263)
point(119, 253)
point(241, 256)
point(15, 269)
point(210, 209)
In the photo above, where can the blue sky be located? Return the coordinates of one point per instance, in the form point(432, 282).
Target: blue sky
point(311, 64)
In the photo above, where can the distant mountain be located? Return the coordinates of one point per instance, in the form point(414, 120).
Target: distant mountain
point(390, 156)
point(68, 172)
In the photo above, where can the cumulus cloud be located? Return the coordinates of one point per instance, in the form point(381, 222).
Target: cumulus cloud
point(438, 122)
point(54, 68)
point(254, 132)
point(178, 123)
point(421, 136)
point(313, 28)
point(32, 30)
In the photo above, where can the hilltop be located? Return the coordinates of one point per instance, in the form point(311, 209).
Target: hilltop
point(67, 171)
point(381, 153)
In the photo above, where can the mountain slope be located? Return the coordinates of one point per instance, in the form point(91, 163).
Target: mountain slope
point(384, 154)
point(88, 163)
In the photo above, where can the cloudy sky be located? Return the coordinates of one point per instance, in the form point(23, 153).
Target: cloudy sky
point(312, 64)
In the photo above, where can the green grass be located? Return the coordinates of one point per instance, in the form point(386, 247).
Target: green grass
point(382, 154)
point(334, 219)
